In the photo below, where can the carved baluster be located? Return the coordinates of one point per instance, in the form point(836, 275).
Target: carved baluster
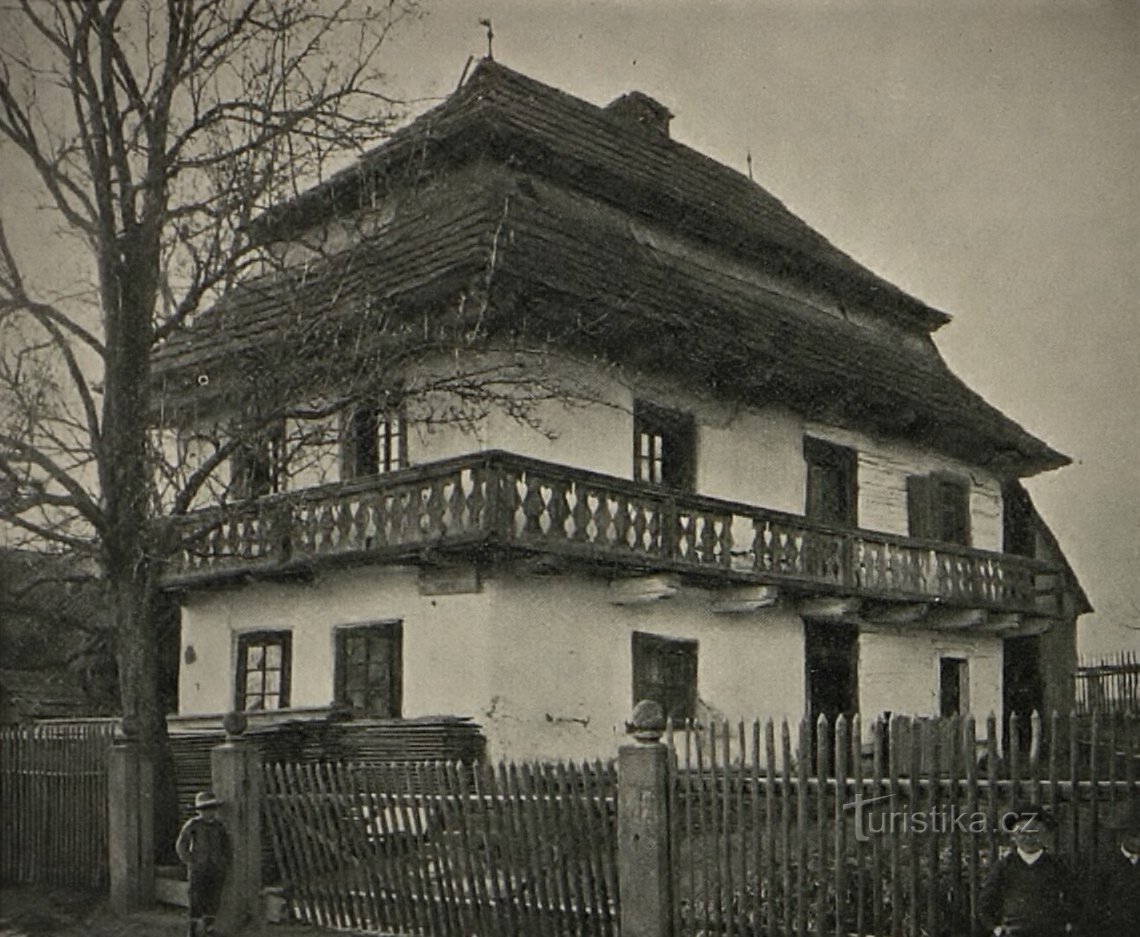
point(531, 508)
point(622, 524)
point(558, 509)
point(579, 513)
point(475, 485)
point(344, 526)
point(435, 504)
point(640, 528)
point(706, 552)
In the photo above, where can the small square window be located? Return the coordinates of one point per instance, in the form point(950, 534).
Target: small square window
point(262, 679)
point(665, 670)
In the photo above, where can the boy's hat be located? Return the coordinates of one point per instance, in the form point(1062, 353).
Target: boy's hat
point(204, 799)
point(1030, 812)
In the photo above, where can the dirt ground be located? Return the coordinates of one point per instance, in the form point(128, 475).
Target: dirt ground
point(61, 912)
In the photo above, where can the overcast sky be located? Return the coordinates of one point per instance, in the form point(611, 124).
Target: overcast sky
point(983, 156)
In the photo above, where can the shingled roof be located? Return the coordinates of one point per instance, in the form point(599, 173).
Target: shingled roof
point(508, 117)
point(583, 216)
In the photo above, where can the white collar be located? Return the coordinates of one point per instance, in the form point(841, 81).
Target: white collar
point(1029, 858)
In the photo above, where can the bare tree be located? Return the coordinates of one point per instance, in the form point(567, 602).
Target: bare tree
point(154, 131)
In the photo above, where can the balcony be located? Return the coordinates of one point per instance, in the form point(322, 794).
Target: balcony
point(505, 504)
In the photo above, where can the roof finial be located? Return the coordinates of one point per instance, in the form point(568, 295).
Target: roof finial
point(748, 157)
point(490, 37)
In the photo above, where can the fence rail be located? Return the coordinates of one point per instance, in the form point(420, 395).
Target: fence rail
point(53, 797)
point(443, 849)
point(1111, 684)
point(891, 833)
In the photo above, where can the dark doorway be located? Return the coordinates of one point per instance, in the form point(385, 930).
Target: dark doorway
point(831, 653)
point(1023, 690)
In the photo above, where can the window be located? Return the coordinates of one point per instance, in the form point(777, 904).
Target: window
point(832, 493)
point(664, 446)
point(263, 662)
point(369, 678)
point(938, 508)
point(665, 670)
point(376, 440)
point(953, 686)
point(254, 465)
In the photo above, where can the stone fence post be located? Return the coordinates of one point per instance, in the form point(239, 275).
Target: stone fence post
point(645, 878)
point(235, 768)
point(130, 817)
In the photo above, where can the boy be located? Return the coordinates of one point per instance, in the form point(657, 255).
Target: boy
point(1028, 892)
point(1119, 893)
point(203, 845)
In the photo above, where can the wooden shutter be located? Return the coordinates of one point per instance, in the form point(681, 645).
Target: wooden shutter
point(920, 507)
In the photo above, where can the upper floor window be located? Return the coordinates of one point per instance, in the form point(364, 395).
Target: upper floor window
point(255, 465)
point(263, 670)
point(664, 446)
point(665, 670)
point(938, 508)
point(369, 668)
point(832, 492)
point(376, 440)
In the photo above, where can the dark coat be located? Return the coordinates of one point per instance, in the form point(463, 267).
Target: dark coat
point(1117, 910)
point(1035, 899)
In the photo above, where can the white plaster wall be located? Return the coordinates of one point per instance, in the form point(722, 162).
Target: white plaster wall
point(562, 663)
point(444, 638)
point(756, 457)
point(898, 671)
point(543, 664)
point(883, 469)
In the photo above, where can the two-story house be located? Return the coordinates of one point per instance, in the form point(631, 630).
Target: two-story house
point(749, 486)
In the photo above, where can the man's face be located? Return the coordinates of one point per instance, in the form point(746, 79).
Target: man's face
point(1029, 835)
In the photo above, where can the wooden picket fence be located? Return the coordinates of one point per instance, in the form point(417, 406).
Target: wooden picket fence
point(1109, 684)
point(444, 849)
point(888, 835)
point(53, 798)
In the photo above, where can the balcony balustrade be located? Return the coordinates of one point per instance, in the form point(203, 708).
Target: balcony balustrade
point(500, 501)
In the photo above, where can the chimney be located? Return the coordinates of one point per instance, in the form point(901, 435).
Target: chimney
point(637, 108)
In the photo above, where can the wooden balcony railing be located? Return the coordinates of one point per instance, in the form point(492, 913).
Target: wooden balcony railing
point(510, 502)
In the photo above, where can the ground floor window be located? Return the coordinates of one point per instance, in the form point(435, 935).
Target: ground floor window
point(369, 678)
point(953, 686)
point(665, 670)
point(263, 669)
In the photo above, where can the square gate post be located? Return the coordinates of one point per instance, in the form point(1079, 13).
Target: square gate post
point(645, 878)
point(130, 819)
point(235, 770)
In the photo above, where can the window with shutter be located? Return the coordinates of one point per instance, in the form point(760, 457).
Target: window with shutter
point(938, 508)
point(375, 441)
point(832, 492)
point(664, 446)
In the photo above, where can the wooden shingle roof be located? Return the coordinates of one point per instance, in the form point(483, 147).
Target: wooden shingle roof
point(561, 214)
